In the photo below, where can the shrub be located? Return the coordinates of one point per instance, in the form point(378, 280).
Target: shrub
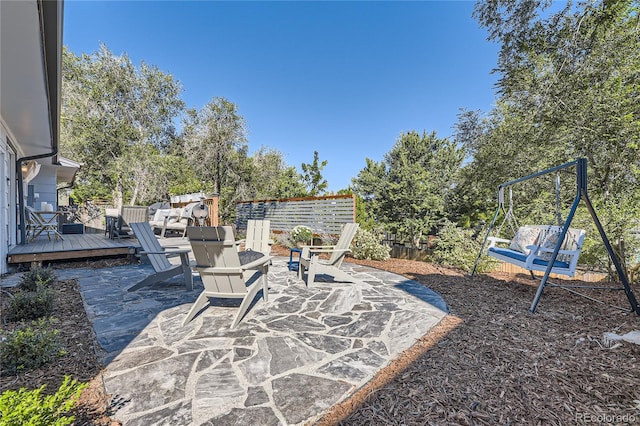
point(30, 305)
point(29, 347)
point(366, 245)
point(326, 239)
point(25, 407)
point(282, 238)
point(301, 234)
point(456, 247)
point(37, 276)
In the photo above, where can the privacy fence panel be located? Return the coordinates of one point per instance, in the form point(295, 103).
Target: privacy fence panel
point(325, 215)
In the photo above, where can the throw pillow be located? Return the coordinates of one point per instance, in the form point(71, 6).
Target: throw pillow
point(550, 241)
point(525, 236)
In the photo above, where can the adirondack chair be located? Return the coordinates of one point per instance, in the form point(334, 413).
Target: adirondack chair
point(314, 264)
point(129, 215)
point(158, 257)
point(258, 238)
point(225, 272)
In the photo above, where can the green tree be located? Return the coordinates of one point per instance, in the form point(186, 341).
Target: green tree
point(271, 177)
point(290, 184)
point(113, 115)
point(408, 191)
point(312, 176)
point(421, 171)
point(367, 185)
point(214, 142)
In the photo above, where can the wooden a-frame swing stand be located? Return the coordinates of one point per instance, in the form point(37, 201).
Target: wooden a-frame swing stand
point(581, 195)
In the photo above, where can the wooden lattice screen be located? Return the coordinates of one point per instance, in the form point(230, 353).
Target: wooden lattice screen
point(322, 214)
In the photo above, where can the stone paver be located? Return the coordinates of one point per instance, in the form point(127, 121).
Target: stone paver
point(289, 361)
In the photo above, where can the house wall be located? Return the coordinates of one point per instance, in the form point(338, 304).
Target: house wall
point(7, 198)
point(44, 184)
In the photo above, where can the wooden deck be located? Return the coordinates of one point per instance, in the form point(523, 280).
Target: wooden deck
point(74, 246)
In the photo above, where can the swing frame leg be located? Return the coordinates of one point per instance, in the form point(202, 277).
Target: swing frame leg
point(581, 178)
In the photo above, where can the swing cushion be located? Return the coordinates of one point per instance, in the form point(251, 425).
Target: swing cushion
point(521, 257)
point(526, 236)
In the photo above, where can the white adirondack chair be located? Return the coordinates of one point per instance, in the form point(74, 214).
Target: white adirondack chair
point(157, 256)
point(258, 236)
point(312, 262)
point(223, 274)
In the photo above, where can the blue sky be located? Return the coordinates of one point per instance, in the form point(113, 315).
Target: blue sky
point(342, 78)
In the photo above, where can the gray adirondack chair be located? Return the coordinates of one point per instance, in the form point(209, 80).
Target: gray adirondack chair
point(314, 264)
point(129, 215)
point(158, 257)
point(258, 236)
point(223, 272)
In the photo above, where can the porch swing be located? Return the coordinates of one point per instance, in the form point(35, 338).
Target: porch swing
point(548, 248)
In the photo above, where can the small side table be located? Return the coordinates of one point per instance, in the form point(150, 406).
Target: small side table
point(294, 264)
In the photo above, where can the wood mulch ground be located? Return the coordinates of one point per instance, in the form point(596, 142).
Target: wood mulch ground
point(493, 362)
point(489, 362)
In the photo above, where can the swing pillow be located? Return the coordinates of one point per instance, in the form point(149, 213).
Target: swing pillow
point(526, 236)
point(550, 241)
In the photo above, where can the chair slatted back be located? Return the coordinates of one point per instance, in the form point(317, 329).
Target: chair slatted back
point(344, 242)
point(258, 235)
point(134, 214)
point(150, 243)
point(217, 259)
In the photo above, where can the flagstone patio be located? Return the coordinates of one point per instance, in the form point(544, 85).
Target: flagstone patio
point(288, 362)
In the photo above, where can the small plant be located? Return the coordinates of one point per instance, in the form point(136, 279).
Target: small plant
point(31, 305)
point(301, 234)
point(366, 245)
point(29, 347)
point(24, 407)
point(35, 277)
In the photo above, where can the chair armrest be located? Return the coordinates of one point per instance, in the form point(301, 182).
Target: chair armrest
point(308, 254)
point(494, 240)
point(177, 251)
point(220, 270)
point(256, 263)
point(329, 250)
point(317, 247)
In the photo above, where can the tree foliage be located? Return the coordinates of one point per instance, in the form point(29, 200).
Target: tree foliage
point(407, 192)
point(214, 143)
point(312, 176)
point(113, 115)
point(271, 177)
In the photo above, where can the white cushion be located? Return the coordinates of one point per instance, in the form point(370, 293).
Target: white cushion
point(526, 236)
